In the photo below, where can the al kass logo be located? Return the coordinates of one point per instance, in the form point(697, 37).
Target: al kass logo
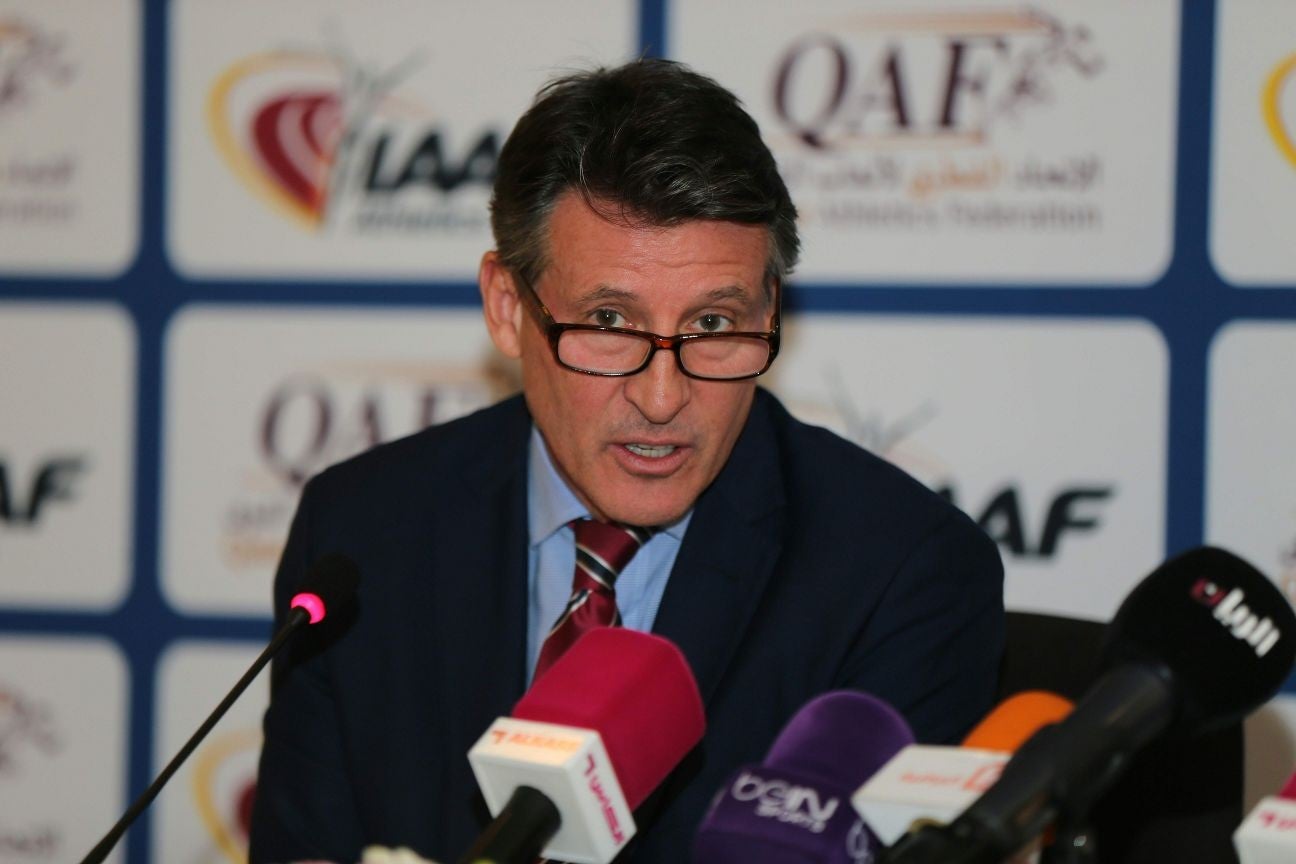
point(223, 785)
point(1279, 123)
point(317, 135)
point(928, 78)
point(30, 60)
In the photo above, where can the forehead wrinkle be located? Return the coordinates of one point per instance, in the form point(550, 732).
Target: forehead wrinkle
point(604, 292)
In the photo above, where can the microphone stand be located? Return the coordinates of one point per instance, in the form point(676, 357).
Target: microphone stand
point(296, 617)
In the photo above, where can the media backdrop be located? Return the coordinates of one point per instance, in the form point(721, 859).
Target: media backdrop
point(1049, 269)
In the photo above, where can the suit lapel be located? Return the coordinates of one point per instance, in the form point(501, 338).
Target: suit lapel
point(483, 608)
point(728, 554)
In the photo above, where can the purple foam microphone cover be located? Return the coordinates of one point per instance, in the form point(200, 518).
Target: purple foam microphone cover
point(794, 808)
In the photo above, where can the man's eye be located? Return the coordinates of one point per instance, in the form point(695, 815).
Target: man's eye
point(714, 322)
point(608, 318)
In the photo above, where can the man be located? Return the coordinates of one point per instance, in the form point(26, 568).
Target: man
point(783, 560)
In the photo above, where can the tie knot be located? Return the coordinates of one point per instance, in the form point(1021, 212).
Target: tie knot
point(603, 549)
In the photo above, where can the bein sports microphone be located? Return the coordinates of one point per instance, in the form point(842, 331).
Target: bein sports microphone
point(1196, 645)
point(585, 746)
point(928, 783)
point(1268, 834)
point(794, 808)
point(328, 587)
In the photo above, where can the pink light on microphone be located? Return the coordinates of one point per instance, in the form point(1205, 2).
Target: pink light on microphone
point(311, 603)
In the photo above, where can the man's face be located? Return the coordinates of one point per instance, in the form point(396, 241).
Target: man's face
point(638, 449)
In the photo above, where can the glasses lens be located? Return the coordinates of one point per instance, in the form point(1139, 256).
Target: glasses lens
point(604, 353)
point(724, 356)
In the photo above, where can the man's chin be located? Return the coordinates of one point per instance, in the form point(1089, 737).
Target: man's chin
point(631, 509)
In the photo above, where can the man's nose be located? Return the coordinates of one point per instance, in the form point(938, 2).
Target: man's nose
point(661, 390)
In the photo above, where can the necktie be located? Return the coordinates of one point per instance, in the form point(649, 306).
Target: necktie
point(602, 550)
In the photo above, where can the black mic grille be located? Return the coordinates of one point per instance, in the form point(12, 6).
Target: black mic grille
point(1223, 629)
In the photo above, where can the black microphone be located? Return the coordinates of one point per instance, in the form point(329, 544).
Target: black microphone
point(329, 586)
point(1197, 645)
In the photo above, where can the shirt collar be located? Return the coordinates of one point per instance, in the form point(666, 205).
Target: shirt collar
point(551, 504)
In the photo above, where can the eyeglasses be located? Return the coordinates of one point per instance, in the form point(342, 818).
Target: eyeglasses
point(619, 351)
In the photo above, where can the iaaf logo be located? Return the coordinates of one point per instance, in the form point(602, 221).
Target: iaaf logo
point(929, 77)
point(604, 801)
point(803, 806)
point(53, 479)
point(1278, 123)
point(1230, 610)
point(29, 58)
point(310, 131)
point(24, 725)
point(1002, 514)
point(224, 789)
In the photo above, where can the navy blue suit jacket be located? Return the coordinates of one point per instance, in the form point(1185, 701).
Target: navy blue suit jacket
point(809, 565)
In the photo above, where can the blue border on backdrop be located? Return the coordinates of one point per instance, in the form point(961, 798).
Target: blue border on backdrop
point(1188, 305)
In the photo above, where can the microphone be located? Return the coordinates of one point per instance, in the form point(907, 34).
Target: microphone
point(928, 783)
point(584, 746)
point(1016, 719)
point(1268, 834)
point(1198, 644)
point(792, 808)
point(328, 587)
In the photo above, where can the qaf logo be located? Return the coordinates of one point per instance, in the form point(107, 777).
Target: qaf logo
point(893, 120)
point(1277, 89)
point(943, 77)
point(312, 419)
point(31, 60)
point(223, 785)
point(26, 728)
point(325, 139)
point(1003, 514)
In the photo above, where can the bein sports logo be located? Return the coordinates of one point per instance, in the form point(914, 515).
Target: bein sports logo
point(313, 132)
point(1230, 610)
point(802, 806)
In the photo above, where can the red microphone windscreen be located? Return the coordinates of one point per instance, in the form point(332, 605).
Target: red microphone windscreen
point(636, 690)
point(1289, 791)
point(1017, 718)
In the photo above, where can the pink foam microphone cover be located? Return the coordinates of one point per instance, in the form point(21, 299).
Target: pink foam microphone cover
point(1289, 790)
point(636, 690)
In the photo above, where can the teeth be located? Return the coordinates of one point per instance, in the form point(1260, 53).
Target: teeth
point(651, 452)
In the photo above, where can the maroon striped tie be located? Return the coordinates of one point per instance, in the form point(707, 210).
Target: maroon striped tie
point(601, 551)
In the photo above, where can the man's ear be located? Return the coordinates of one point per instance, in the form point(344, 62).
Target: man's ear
point(500, 305)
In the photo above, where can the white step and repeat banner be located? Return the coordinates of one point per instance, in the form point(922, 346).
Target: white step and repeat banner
point(1047, 271)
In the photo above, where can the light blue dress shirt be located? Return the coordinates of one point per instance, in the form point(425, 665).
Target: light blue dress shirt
point(551, 558)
